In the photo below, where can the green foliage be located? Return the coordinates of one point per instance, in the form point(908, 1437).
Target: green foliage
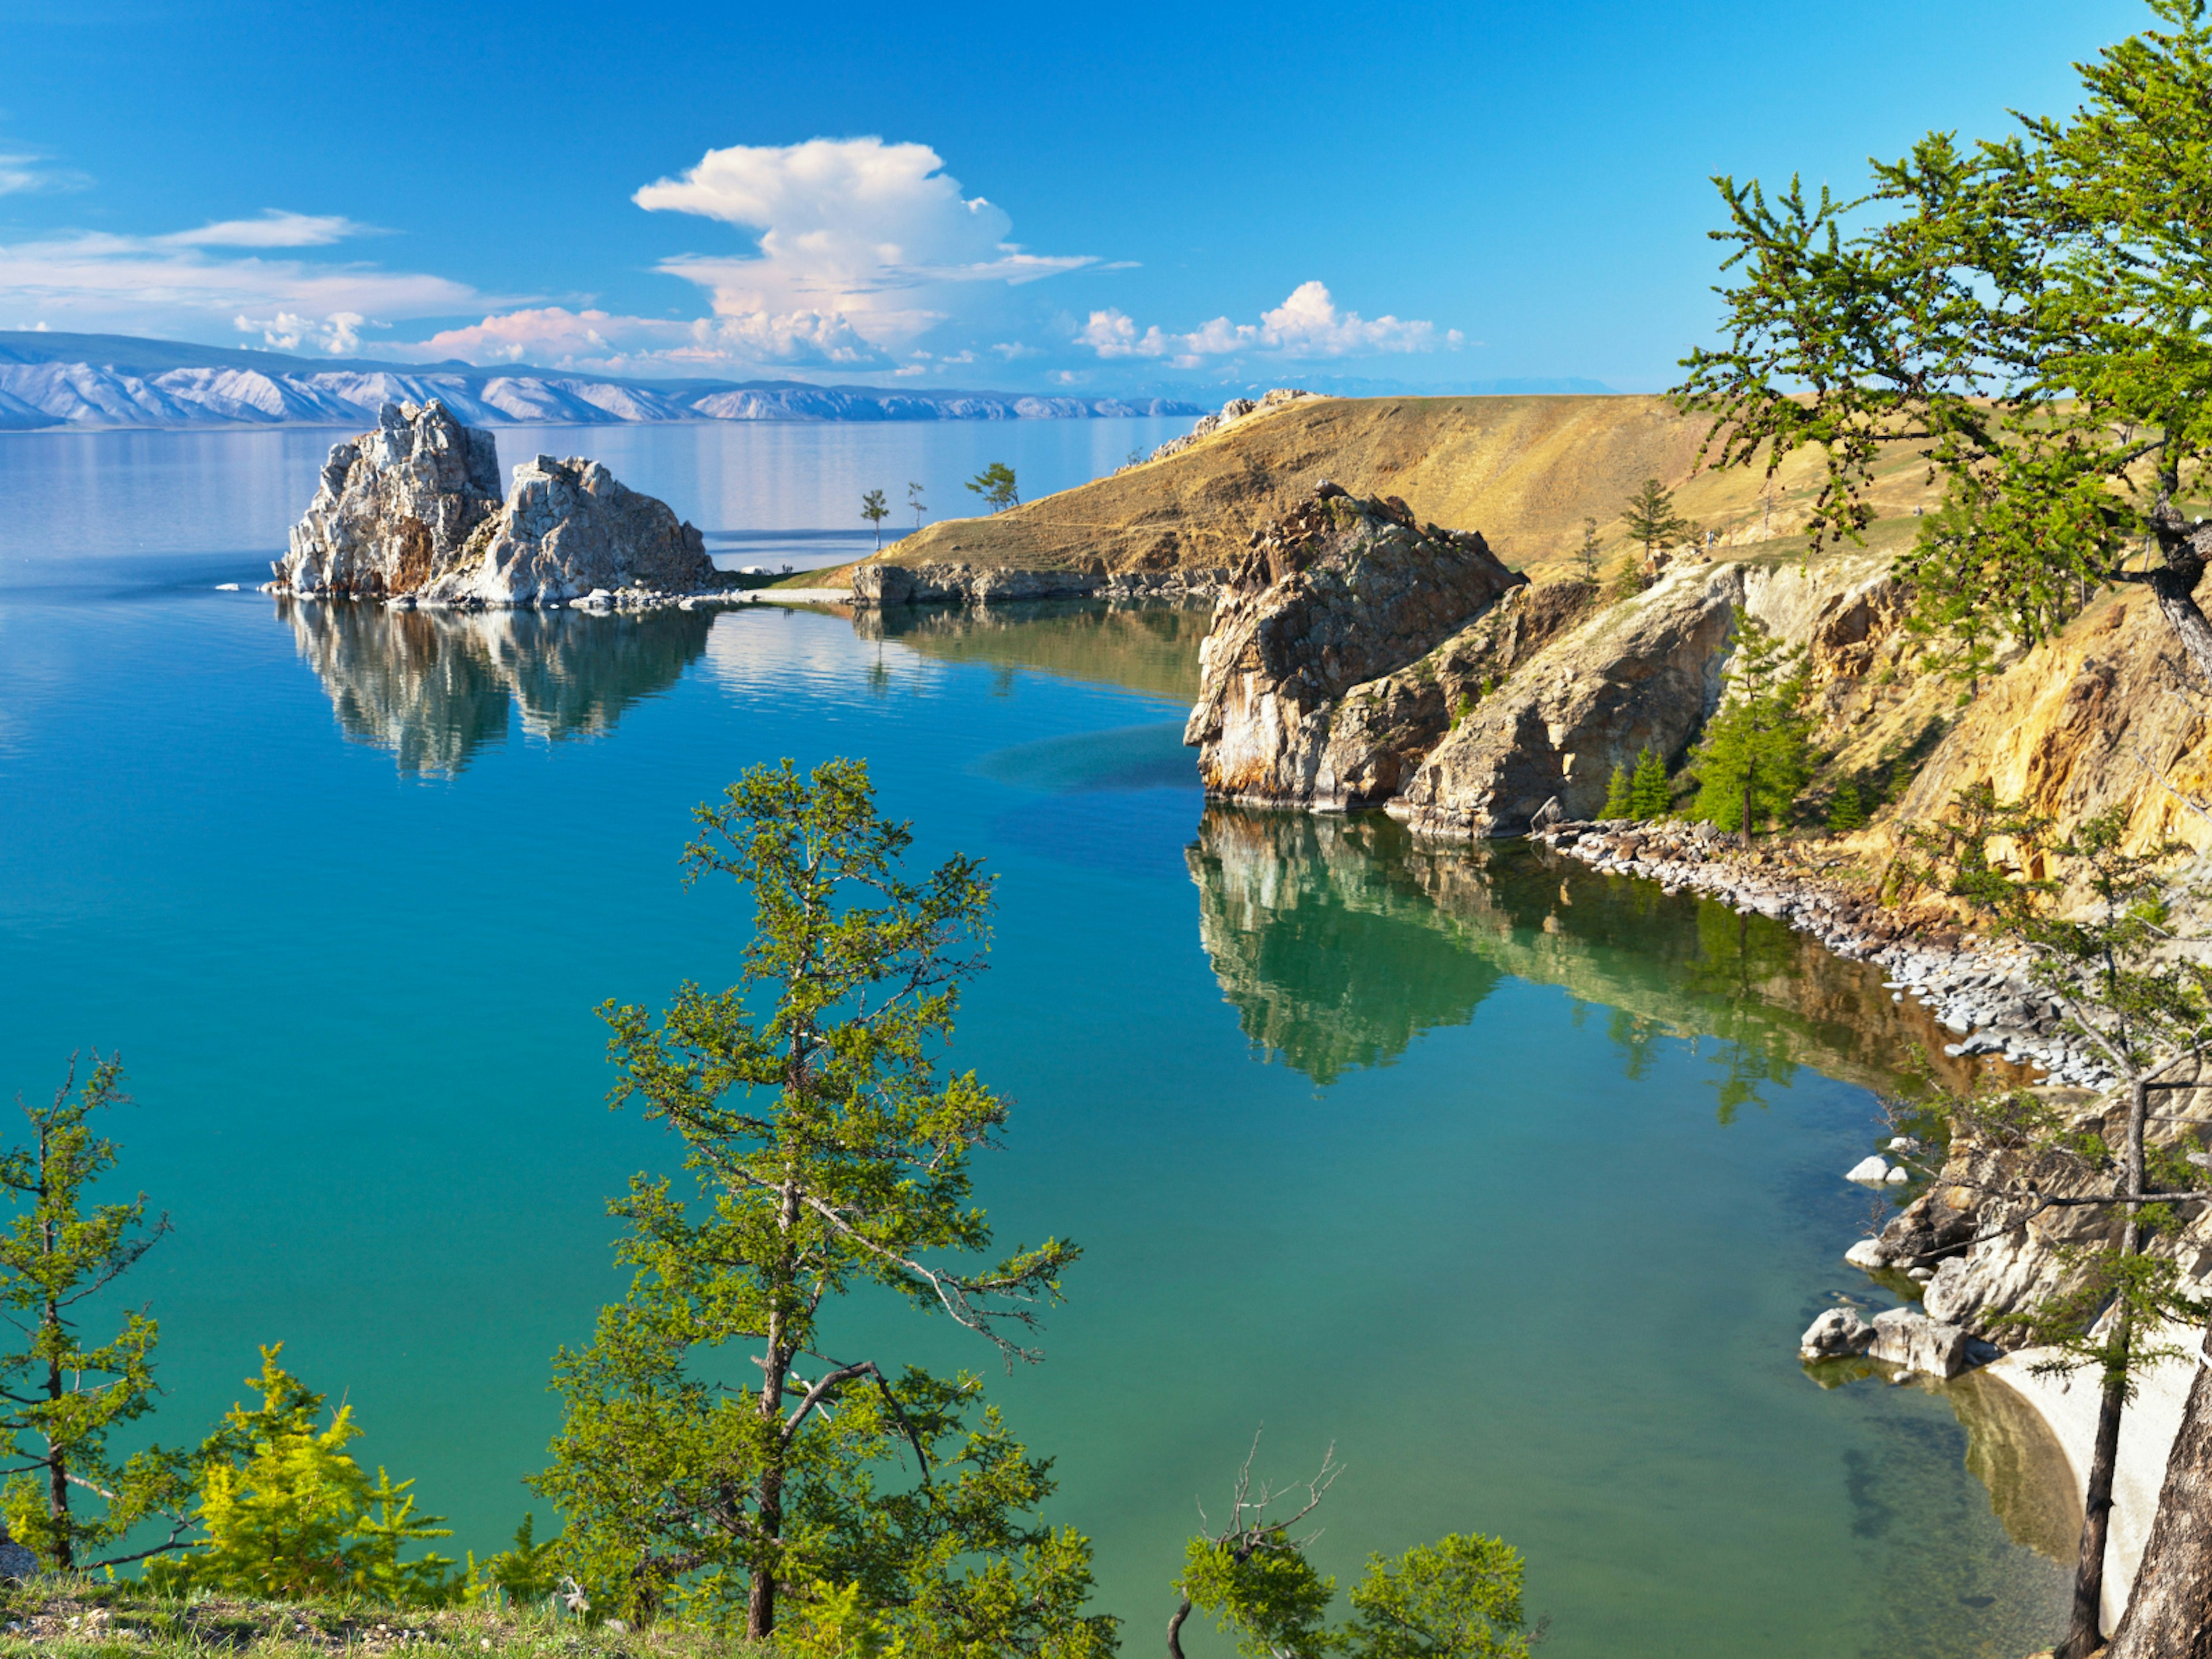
point(1627, 580)
point(829, 1155)
point(1586, 556)
point(524, 1575)
point(914, 499)
point(1650, 520)
point(1458, 1598)
point(995, 484)
point(1620, 796)
point(1648, 795)
point(61, 1396)
point(288, 1513)
point(2027, 314)
point(1756, 755)
point(875, 510)
point(1846, 811)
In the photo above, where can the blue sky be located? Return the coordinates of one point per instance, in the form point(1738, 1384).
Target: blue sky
point(1098, 198)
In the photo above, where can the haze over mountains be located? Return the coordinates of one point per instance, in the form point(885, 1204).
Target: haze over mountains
point(81, 381)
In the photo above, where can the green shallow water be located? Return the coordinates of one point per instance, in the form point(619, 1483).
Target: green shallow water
point(1514, 1182)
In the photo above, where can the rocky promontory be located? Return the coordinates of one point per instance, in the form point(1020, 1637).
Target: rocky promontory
point(411, 513)
point(1338, 590)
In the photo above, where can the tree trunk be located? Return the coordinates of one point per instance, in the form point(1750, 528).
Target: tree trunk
point(2084, 1626)
point(1175, 1630)
point(2169, 1614)
point(57, 1494)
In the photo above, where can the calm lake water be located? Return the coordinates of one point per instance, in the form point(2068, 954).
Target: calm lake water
point(1514, 1182)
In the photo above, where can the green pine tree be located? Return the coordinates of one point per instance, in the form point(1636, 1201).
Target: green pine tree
point(62, 1396)
point(1647, 793)
point(1846, 811)
point(1650, 520)
point(287, 1513)
point(829, 1157)
point(1756, 755)
point(1618, 801)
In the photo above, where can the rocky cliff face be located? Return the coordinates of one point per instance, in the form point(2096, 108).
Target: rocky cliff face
point(412, 509)
point(395, 506)
point(1337, 592)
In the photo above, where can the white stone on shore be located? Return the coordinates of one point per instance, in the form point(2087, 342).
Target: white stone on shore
point(1868, 1254)
point(1872, 1171)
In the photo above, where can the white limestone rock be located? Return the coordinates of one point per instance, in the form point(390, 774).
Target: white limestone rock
point(1868, 1254)
point(1909, 1338)
point(1838, 1334)
point(570, 527)
point(395, 506)
point(1870, 1171)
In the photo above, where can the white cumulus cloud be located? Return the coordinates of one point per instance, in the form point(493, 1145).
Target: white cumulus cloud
point(1306, 325)
point(868, 237)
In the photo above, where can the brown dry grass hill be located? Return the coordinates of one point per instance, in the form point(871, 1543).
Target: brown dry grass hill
point(1525, 471)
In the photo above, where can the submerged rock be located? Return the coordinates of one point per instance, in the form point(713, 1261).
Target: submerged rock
point(412, 511)
point(1338, 590)
point(1911, 1341)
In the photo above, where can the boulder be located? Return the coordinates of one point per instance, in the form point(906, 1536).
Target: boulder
point(18, 1563)
point(1838, 1334)
point(1909, 1338)
point(1337, 592)
point(1868, 1254)
point(1870, 1171)
point(570, 527)
point(945, 583)
point(394, 506)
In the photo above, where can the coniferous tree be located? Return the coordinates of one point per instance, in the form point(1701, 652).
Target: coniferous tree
point(1846, 811)
point(830, 1156)
point(875, 510)
point(2024, 314)
point(1619, 795)
point(1756, 755)
point(914, 499)
point(1650, 520)
point(995, 484)
point(288, 1513)
point(60, 1396)
point(1648, 794)
point(1586, 556)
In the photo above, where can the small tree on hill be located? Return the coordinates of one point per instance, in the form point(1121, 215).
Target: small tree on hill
point(995, 484)
point(60, 1396)
point(1458, 1598)
point(1587, 555)
point(1648, 794)
point(1756, 755)
point(1846, 810)
point(1650, 520)
point(829, 1157)
point(914, 499)
point(875, 510)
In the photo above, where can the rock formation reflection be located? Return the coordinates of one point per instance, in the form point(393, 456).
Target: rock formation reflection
point(434, 687)
point(1339, 939)
point(1149, 647)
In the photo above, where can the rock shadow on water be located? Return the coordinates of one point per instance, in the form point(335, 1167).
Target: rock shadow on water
point(433, 688)
point(1340, 939)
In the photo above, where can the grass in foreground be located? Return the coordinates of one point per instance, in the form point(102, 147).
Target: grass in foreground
point(89, 1617)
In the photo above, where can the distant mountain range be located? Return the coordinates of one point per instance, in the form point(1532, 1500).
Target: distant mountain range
point(91, 380)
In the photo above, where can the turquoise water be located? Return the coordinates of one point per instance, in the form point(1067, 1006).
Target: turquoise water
point(1514, 1182)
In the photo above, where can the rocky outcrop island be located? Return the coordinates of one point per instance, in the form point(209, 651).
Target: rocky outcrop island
point(411, 513)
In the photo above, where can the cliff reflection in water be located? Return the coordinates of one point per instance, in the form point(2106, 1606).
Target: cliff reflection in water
point(1149, 648)
point(1340, 939)
point(434, 687)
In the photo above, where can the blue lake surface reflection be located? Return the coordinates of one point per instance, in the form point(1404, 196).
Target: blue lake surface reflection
point(1514, 1182)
